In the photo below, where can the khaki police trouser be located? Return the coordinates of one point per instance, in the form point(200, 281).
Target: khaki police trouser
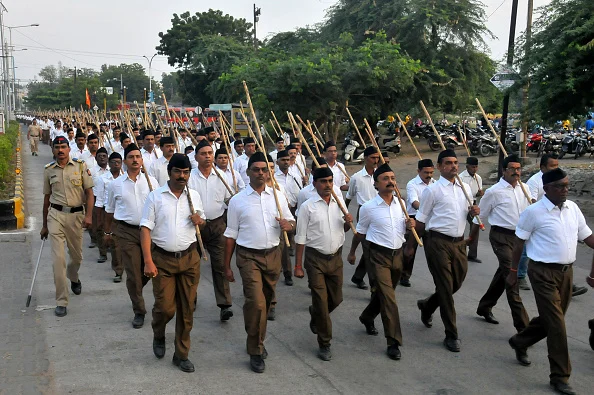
point(65, 228)
point(34, 142)
point(175, 294)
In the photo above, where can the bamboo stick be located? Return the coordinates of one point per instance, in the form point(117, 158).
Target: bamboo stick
point(354, 124)
point(198, 234)
point(408, 135)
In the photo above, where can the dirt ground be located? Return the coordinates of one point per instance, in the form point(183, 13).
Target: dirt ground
point(580, 171)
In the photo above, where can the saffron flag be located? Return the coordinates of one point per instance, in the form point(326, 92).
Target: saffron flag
point(88, 98)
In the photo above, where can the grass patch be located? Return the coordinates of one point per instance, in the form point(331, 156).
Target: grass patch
point(8, 144)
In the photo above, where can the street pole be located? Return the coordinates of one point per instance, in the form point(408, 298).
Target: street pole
point(526, 104)
point(4, 66)
point(257, 12)
point(150, 62)
point(510, 61)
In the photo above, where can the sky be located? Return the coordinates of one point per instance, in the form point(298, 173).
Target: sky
point(86, 33)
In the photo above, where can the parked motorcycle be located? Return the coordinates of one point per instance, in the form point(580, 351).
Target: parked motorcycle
point(391, 142)
point(352, 150)
point(551, 143)
point(585, 144)
point(569, 144)
point(449, 141)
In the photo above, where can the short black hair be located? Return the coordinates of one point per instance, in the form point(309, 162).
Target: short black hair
point(509, 159)
point(544, 160)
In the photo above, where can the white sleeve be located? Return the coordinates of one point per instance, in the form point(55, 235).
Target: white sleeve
point(232, 230)
point(364, 220)
point(110, 203)
point(302, 224)
point(426, 206)
point(148, 212)
point(411, 193)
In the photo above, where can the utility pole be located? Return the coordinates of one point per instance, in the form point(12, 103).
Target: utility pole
point(4, 66)
point(525, 71)
point(510, 61)
point(257, 12)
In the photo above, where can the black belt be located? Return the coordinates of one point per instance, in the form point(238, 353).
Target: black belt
point(555, 266)
point(384, 250)
point(310, 250)
point(500, 229)
point(433, 233)
point(66, 209)
point(216, 219)
point(259, 252)
point(176, 255)
point(124, 223)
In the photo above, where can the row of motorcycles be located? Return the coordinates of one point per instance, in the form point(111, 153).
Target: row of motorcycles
point(576, 142)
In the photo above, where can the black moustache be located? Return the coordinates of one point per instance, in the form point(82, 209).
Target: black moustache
point(180, 179)
point(389, 185)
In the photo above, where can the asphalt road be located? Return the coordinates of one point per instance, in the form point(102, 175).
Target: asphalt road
point(95, 350)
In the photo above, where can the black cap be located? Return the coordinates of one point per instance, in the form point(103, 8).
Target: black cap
point(92, 137)
point(115, 155)
point(295, 140)
point(166, 140)
point(449, 153)
point(208, 129)
point(101, 150)
point(370, 150)
point(189, 148)
point(258, 157)
point(329, 143)
point(553, 175)
point(290, 147)
point(221, 151)
point(321, 162)
point(280, 139)
point(322, 172)
point(202, 144)
point(180, 161)
point(471, 160)
point(131, 147)
point(79, 135)
point(61, 140)
point(425, 163)
point(123, 136)
point(282, 154)
point(248, 140)
point(385, 168)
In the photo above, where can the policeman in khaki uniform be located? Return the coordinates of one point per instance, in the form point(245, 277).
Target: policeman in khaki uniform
point(67, 209)
point(33, 135)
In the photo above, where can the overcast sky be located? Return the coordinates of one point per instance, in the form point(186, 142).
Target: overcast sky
point(87, 33)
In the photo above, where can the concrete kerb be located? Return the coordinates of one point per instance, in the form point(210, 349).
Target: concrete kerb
point(12, 211)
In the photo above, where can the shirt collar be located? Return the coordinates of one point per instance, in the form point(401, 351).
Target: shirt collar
point(379, 200)
point(444, 182)
point(549, 205)
point(249, 190)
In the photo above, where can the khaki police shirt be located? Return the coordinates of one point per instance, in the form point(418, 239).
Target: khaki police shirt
point(34, 130)
point(66, 185)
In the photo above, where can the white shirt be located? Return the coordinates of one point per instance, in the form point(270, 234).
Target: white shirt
point(57, 132)
point(192, 158)
point(241, 165)
point(251, 218)
point(382, 224)
point(158, 169)
point(320, 225)
point(414, 190)
point(238, 179)
point(475, 183)
point(502, 205)
point(168, 218)
point(89, 159)
point(535, 187)
point(125, 198)
point(77, 153)
point(150, 157)
point(287, 138)
point(291, 185)
point(97, 172)
point(444, 208)
point(310, 191)
point(551, 233)
point(361, 187)
point(100, 188)
point(183, 143)
point(297, 172)
point(212, 192)
point(273, 155)
point(233, 151)
point(337, 175)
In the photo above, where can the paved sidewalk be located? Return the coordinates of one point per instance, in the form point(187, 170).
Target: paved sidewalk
point(95, 350)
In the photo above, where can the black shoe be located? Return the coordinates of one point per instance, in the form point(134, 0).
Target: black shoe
point(117, 278)
point(264, 353)
point(475, 260)
point(184, 364)
point(92, 245)
point(562, 388)
point(452, 344)
point(60, 311)
point(102, 259)
point(360, 284)
point(271, 314)
point(159, 347)
point(138, 321)
point(591, 326)
point(226, 313)
point(405, 282)
point(257, 363)
point(369, 327)
point(324, 353)
point(288, 281)
point(426, 318)
point(577, 290)
point(76, 287)
point(523, 284)
point(489, 317)
point(394, 352)
point(312, 326)
point(521, 354)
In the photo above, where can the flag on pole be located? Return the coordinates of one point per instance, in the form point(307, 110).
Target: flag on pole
point(88, 98)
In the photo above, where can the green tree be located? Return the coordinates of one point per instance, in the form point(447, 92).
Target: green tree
point(560, 63)
point(134, 78)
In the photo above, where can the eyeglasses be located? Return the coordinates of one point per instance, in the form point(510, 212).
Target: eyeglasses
point(259, 170)
point(514, 169)
point(560, 187)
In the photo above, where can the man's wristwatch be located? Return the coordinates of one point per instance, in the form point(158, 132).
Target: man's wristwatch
point(107, 233)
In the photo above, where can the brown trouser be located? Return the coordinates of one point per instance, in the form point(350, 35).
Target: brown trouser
point(408, 262)
point(361, 268)
point(552, 292)
point(286, 263)
point(65, 228)
point(129, 240)
point(214, 242)
point(448, 266)
point(34, 142)
point(97, 229)
point(386, 269)
point(472, 248)
point(116, 252)
point(503, 245)
point(324, 276)
point(259, 272)
point(45, 136)
point(175, 293)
